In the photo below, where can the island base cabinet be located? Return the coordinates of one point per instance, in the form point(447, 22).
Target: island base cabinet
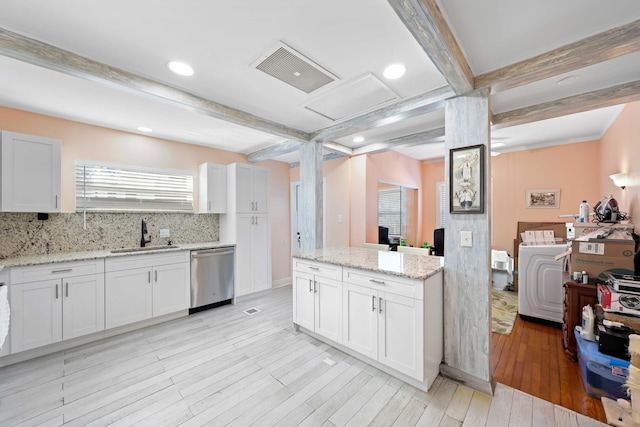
point(385, 327)
point(317, 302)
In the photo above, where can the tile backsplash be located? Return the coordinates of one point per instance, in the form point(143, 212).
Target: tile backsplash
point(22, 234)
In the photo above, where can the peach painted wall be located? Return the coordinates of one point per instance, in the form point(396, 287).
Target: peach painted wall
point(619, 152)
point(432, 173)
point(87, 142)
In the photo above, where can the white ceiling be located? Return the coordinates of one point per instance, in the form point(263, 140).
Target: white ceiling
point(350, 39)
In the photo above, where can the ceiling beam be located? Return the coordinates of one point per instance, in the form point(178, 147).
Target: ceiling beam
point(598, 48)
point(275, 150)
point(325, 158)
point(424, 20)
point(34, 52)
point(411, 107)
point(338, 148)
point(426, 137)
point(607, 97)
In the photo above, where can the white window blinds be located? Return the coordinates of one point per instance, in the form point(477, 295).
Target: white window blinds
point(391, 210)
point(102, 187)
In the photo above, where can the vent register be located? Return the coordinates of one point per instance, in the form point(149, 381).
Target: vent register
point(354, 97)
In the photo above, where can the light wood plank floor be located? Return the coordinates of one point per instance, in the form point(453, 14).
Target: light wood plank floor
point(224, 367)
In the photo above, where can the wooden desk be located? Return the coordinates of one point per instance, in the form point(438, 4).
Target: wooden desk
point(576, 296)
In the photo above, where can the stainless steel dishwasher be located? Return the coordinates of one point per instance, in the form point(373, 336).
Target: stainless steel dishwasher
point(212, 278)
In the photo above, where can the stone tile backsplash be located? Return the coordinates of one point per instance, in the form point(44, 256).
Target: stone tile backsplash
point(22, 234)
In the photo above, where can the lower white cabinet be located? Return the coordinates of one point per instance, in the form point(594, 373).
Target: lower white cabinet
point(317, 305)
point(59, 306)
point(146, 286)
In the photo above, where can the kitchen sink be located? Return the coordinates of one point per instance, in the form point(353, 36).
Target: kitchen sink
point(144, 249)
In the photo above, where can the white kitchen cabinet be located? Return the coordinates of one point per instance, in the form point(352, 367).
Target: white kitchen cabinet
point(317, 301)
point(140, 287)
point(31, 173)
point(248, 188)
point(247, 224)
point(212, 188)
point(55, 302)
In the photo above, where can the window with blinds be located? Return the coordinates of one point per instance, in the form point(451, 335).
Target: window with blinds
point(108, 187)
point(391, 210)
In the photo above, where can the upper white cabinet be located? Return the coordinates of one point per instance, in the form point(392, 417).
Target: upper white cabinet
point(31, 179)
point(212, 188)
point(55, 302)
point(249, 188)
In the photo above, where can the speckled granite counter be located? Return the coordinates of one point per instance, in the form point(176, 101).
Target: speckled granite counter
point(398, 264)
point(81, 256)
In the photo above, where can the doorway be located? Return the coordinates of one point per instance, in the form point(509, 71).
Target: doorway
point(296, 216)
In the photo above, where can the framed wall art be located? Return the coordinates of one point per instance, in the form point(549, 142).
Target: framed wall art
point(548, 198)
point(466, 179)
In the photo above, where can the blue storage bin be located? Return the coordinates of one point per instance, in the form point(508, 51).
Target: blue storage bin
point(602, 375)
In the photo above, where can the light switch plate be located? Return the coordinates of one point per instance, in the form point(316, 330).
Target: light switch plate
point(466, 239)
point(164, 232)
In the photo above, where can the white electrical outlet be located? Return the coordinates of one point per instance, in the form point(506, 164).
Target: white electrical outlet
point(339, 219)
point(164, 232)
point(466, 239)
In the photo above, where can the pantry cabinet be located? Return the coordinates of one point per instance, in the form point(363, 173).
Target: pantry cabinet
point(30, 173)
point(55, 302)
point(318, 299)
point(212, 188)
point(144, 286)
point(247, 223)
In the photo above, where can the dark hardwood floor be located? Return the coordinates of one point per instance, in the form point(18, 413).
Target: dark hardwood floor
point(532, 360)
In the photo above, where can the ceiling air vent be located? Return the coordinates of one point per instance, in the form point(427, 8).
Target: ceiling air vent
point(293, 68)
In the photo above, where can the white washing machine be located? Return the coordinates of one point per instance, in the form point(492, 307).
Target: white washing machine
point(540, 281)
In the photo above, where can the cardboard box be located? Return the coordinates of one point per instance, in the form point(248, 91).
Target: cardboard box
point(600, 257)
point(575, 230)
point(613, 301)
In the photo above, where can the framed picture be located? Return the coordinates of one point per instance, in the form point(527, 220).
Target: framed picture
point(466, 179)
point(543, 198)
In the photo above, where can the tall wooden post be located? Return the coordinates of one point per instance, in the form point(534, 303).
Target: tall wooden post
point(311, 195)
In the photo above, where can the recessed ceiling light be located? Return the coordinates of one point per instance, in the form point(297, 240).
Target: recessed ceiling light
point(568, 80)
point(394, 71)
point(144, 129)
point(358, 139)
point(180, 68)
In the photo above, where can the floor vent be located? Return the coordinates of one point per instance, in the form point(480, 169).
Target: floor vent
point(293, 68)
point(251, 311)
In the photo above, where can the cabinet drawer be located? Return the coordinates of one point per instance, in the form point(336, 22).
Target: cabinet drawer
point(37, 273)
point(130, 262)
point(393, 284)
point(318, 269)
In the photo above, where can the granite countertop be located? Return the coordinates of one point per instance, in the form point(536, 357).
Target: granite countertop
point(395, 263)
point(82, 256)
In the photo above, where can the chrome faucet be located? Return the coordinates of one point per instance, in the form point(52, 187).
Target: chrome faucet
point(145, 234)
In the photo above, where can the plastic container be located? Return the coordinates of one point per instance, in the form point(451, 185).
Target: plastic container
point(584, 277)
point(584, 212)
point(602, 375)
point(588, 320)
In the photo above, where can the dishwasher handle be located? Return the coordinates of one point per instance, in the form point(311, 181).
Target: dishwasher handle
point(211, 252)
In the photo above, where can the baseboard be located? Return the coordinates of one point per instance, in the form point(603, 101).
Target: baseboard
point(282, 282)
point(466, 379)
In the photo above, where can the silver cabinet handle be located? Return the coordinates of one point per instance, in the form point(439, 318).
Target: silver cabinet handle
point(209, 204)
point(155, 275)
point(373, 303)
point(67, 289)
point(313, 268)
point(380, 305)
point(315, 288)
point(379, 282)
point(149, 276)
point(310, 288)
point(56, 201)
point(256, 205)
point(56, 291)
point(66, 270)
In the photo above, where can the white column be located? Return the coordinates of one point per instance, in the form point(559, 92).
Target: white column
point(467, 309)
point(311, 195)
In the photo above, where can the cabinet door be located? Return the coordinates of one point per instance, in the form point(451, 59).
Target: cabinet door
point(171, 290)
point(360, 319)
point(303, 300)
point(31, 178)
point(243, 268)
point(128, 297)
point(260, 253)
point(213, 188)
point(83, 305)
point(400, 341)
point(328, 308)
point(36, 314)
point(244, 188)
point(260, 184)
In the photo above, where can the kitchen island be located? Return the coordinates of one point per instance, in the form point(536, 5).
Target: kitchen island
point(384, 308)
